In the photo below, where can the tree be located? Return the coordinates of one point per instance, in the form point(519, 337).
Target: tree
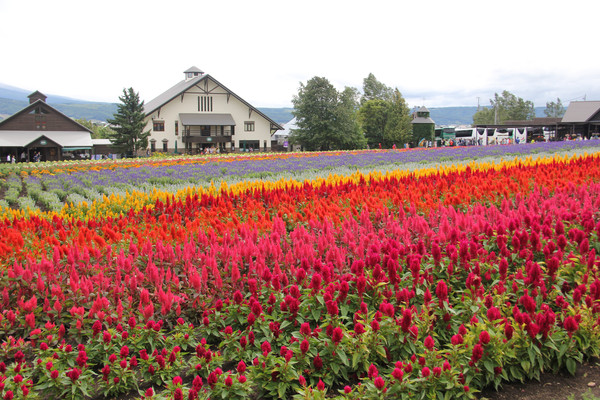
point(98, 131)
point(326, 119)
point(129, 123)
point(347, 121)
point(485, 116)
point(554, 110)
point(375, 90)
point(398, 128)
point(504, 108)
point(373, 116)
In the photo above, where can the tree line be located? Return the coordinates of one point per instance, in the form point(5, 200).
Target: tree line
point(328, 119)
point(508, 107)
point(380, 117)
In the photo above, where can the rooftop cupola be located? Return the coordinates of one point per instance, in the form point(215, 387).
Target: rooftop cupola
point(192, 73)
point(35, 96)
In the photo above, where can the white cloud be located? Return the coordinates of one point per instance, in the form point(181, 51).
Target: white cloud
point(449, 53)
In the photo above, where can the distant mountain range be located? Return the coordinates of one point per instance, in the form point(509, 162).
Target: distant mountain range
point(13, 99)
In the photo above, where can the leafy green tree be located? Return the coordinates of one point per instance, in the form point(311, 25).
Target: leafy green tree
point(398, 127)
point(375, 90)
point(326, 119)
point(347, 121)
point(129, 123)
point(373, 117)
point(485, 116)
point(504, 108)
point(554, 110)
point(98, 131)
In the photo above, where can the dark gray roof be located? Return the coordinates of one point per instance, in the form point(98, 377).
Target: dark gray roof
point(206, 119)
point(581, 111)
point(170, 94)
point(421, 120)
point(193, 69)
point(423, 109)
point(184, 85)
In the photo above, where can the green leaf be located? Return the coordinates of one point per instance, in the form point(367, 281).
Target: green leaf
point(342, 356)
point(571, 366)
point(355, 357)
point(489, 366)
point(281, 389)
point(335, 367)
point(526, 365)
point(316, 313)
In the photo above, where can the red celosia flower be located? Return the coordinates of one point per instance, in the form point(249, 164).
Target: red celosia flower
point(571, 326)
point(337, 335)
point(429, 343)
point(379, 383)
point(441, 291)
point(359, 329)
point(398, 374)
point(265, 347)
point(241, 368)
point(484, 337)
point(375, 325)
point(320, 385)
point(477, 353)
point(425, 372)
point(305, 329)
point(373, 372)
point(317, 362)
point(457, 339)
point(304, 346)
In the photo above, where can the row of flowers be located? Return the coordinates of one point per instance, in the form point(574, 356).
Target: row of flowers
point(426, 284)
point(88, 182)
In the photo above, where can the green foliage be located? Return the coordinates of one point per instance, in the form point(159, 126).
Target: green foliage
point(326, 118)
point(129, 123)
point(504, 108)
point(375, 90)
point(554, 110)
point(386, 122)
point(398, 128)
point(373, 116)
point(98, 131)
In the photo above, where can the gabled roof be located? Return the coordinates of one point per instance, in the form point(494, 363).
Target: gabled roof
point(33, 105)
point(184, 85)
point(581, 111)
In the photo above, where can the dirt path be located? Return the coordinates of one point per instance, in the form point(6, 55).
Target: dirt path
point(550, 387)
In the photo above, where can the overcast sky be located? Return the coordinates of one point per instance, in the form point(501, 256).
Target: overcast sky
point(436, 52)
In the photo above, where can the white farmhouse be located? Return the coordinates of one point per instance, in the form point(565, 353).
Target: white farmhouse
point(200, 113)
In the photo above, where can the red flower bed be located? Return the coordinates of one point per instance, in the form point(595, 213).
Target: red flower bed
point(442, 283)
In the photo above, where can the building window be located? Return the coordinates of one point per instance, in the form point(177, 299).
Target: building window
point(153, 145)
point(158, 126)
point(205, 103)
point(165, 146)
point(249, 126)
point(176, 128)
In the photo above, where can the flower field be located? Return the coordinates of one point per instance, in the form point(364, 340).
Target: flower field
point(377, 283)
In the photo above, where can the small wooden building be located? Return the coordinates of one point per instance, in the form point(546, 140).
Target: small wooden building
point(423, 126)
point(39, 132)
